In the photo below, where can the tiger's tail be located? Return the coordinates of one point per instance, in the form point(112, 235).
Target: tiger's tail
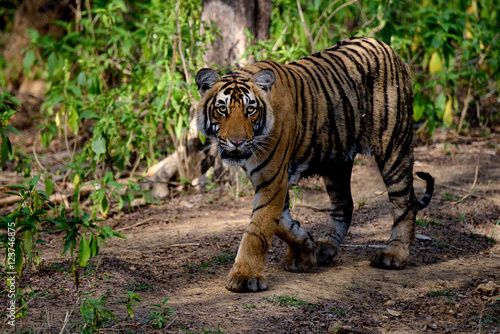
point(428, 190)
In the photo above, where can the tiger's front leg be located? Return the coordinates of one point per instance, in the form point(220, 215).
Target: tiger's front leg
point(247, 272)
point(300, 256)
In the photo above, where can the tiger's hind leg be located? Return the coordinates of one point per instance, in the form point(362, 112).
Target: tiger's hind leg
point(338, 186)
point(398, 177)
point(300, 256)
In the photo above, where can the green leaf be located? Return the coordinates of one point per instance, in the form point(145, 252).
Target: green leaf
point(28, 241)
point(94, 246)
point(89, 114)
point(69, 243)
point(178, 127)
point(51, 62)
point(83, 252)
point(28, 61)
point(18, 257)
point(73, 119)
point(203, 139)
point(49, 185)
point(13, 129)
point(5, 149)
point(34, 181)
point(439, 105)
point(81, 79)
point(99, 145)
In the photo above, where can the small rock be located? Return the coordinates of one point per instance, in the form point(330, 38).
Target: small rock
point(488, 289)
point(338, 328)
point(394, 313)
point(422, 237)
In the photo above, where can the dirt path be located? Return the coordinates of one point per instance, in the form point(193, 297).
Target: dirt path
point(185, 248)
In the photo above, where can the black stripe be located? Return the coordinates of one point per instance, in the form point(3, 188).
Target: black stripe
point(270, 157)
point(403, 192)
point(267, 203)
point(268, 182)
point(262, 239)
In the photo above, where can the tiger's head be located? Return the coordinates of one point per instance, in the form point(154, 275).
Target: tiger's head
point(235, 110)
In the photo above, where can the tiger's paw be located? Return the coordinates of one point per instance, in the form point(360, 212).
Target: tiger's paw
point(325, 250)
point(299, 261)
point(392, 257)
point(240, 280)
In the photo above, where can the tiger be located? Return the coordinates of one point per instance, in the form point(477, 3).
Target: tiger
point(311, 117)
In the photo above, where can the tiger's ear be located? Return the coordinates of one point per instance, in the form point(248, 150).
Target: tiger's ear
point(205, 79)
point(264, 79)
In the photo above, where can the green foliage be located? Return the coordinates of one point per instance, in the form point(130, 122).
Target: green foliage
point(296, 197)
point(162, 314)
point(8, 104)
point(94, 314)
point(433, 293)
point(132, 300)
point(84, 232)
point(121, 74)
point(23, 225)
point(284, 300)
point(426, 222)
point(492, 238)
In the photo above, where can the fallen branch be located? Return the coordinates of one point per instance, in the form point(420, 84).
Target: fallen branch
point(472, 187)
point(471, 195)
point(170, 324)
point(141, 223)
point(360, 246)
point(184, 245)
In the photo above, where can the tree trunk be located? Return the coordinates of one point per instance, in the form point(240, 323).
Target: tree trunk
point(233, 17)
point(37, 15)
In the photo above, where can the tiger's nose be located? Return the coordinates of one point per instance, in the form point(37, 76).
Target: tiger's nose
point(237, 142)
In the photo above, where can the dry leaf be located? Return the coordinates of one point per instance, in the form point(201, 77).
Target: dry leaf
point(394, 313)
point(488, 289)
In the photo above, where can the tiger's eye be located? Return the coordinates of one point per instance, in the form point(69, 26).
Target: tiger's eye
point(251, 110)
point(222, 110)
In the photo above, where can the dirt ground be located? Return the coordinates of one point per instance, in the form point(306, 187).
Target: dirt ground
point(183, 250)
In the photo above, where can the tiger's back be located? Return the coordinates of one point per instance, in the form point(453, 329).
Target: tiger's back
point(355, 97)
point(312, 116)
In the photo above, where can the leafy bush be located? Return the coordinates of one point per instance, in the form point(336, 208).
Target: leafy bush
point(24, 225)
point(121, 76)
point(8, 104)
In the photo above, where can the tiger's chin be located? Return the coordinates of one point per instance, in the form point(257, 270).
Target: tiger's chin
point(235, 158)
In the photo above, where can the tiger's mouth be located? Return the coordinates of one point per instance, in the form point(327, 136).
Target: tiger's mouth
point(235, 156)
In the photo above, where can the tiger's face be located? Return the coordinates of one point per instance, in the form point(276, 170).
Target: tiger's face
point(235, 111)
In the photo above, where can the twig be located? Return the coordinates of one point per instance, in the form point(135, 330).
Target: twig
point(480, 318)
point(184, 245)
point(360, 246)
point(471, 195)
point(472, 187)
point(145, 221)
point(186, 73)
point(134, 168)
point(89, 14)
point(308, 34)
point(330, 16)
point(275, 47)
point(322, 15)
point(170, 324)
point(66, 319)
point(465, 107)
